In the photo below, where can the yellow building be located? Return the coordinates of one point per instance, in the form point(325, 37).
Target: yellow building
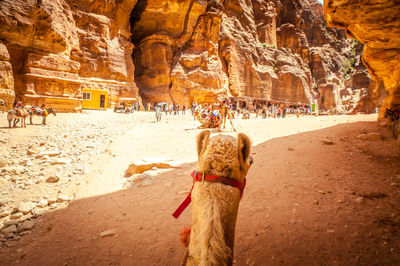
point(94, 99)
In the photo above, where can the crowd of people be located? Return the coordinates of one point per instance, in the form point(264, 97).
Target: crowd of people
point(265, 110)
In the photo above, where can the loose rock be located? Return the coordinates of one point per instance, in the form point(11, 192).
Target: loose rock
point(25, 207)
point(110, 232)
point(374, 136)
point(10, 229)
point(25, 226)
point(42, 203)
point(52, 179)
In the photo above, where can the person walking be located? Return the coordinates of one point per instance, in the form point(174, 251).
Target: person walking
point(184, 109)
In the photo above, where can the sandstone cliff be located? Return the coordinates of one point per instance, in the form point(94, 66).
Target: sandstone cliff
point(178, 51)
point(58, 47)
point(377, 25)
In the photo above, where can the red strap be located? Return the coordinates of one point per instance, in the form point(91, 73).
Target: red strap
point(210, 178)
point(184, 204)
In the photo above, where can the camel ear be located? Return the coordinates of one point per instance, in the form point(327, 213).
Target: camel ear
point(243, 149)
point(202, 141)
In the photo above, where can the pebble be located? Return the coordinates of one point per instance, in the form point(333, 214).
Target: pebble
point(52, 179)
point(16, 215)
point(362, 136)
point(5, 213)
point(374, 136)
point(42, 203)
point(26, 207)
point(60, 161)
point(52, 153)
point(31, 151)
point(360, 199)
point(53, 206)
point(3, 162)
point(62, 198)
point(110, 232)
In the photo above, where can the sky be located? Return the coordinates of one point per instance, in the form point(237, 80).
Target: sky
point(320, 1)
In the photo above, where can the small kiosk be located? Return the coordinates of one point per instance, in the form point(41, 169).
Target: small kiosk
point(94, 99)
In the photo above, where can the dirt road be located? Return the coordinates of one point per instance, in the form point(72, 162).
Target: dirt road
point(318, 192)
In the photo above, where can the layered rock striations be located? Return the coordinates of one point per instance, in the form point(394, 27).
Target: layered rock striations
point(179, 51)
point(59, 47)
point(377, 25)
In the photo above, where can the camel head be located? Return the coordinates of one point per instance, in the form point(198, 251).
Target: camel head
point(224, 155)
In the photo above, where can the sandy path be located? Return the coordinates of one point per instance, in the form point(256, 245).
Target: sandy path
point(173, 141)
point(305, 203)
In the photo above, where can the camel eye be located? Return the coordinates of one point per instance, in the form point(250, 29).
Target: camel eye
point(250, 160)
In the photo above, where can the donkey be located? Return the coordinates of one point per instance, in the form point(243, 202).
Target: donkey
point(17, 115)
point(35, 110)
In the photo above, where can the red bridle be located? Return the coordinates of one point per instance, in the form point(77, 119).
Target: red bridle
point(209, 178)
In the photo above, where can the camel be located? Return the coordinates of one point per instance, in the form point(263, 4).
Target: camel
point(225, 111)
point(246, 115)
point(16, 115)
point(223, 162)
point(207, 120)
point(35, 110)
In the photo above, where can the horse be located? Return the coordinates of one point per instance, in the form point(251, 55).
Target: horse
point(3, 105)
point(17, 115)
point(35, 110)
point(393, 116)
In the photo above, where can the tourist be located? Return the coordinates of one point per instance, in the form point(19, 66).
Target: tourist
point(184, 109)
point(19, 105)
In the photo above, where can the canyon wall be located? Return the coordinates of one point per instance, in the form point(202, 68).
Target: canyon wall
point(56, 48)
point(377, 25)
point(277, 50)
point(179, 51)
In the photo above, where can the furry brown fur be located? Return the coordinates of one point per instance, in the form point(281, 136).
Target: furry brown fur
point(215, 205)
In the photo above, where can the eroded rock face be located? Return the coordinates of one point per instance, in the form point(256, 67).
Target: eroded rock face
point(376, 24)
point(6, 78)
point(277, 50)
point(58, 47)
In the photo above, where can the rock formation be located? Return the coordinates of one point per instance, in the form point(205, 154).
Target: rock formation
point(179, 51)
point(6, 77)
point(275, 50)
point(58, 47)
point(376, 24)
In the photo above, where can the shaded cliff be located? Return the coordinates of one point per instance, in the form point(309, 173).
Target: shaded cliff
point(179, 51)
point(377, 25)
